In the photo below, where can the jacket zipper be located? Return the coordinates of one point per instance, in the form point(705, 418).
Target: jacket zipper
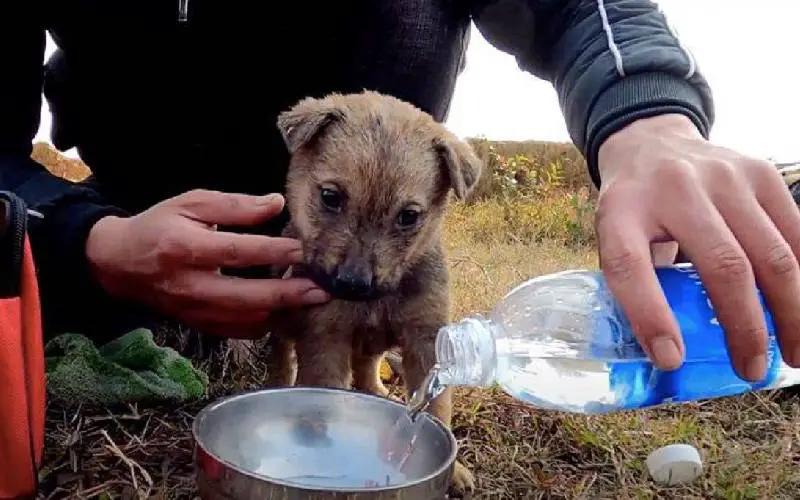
point(183, 11)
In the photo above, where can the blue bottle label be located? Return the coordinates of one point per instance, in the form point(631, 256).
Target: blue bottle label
point(707, 371)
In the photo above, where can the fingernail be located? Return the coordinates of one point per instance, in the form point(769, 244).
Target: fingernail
point(315, 296)
point(296, 255)
point(270, 199)
point(755, 367)
point(665, 352)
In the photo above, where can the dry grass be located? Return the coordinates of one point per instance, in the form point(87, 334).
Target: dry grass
point(750, 444)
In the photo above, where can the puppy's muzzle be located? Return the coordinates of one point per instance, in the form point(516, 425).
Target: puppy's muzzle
point(353, 282)
point(345, 282)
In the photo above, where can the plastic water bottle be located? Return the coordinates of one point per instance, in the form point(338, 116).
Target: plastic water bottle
point(561, 342)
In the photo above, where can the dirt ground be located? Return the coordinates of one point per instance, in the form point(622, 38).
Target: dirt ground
point(749, 446)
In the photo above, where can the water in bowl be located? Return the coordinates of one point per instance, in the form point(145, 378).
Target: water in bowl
point(362, 470)
point(372, 458)
point(313, 451)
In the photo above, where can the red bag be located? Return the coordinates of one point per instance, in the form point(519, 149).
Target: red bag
point(22, 375)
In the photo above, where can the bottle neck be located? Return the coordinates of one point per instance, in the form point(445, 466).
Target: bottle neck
point(466, 353)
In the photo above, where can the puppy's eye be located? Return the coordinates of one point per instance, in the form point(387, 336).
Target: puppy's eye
point(407, 218)
point(331, 198)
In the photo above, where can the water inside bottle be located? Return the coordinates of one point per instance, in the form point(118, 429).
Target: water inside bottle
point(561, 339)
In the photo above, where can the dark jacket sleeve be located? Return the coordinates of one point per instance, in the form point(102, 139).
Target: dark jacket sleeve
point(69, 210)
point(611, 62)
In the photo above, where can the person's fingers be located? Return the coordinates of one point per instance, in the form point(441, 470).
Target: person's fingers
point(776, 199)
point(726, 274)
point(214, 249)
point(203, 289)
point(776, 270)
point(236, 307)
point(227, 209)
point(625, 259)
point(764, 229)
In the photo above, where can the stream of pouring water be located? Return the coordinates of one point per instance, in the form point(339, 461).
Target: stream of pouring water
point(398, 444)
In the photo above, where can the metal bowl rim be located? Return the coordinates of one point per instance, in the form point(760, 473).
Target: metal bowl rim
point(451, 458)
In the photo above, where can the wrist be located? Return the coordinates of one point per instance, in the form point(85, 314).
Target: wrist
point(100, 247)
point(640, 97)
point(644, 133)
point(668, 124)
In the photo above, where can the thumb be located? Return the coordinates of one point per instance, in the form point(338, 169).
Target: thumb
point(664, 253)
point(227, 209)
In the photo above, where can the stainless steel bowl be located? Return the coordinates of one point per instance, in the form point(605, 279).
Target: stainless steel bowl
point(314, 443)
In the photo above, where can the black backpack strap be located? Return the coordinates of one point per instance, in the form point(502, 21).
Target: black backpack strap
point(13, 225)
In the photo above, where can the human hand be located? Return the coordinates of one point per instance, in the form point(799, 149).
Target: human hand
point(733, 217)
point(170, 256)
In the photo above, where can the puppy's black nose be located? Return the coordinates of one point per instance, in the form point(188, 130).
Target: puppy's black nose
point(352, 281)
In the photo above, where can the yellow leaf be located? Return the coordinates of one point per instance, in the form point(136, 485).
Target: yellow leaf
point(386, 371)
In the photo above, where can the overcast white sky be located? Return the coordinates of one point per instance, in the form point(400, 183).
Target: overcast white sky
point(745, 49)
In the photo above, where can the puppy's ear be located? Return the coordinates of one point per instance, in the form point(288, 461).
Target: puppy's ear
point(306, 120)
point(461, 164)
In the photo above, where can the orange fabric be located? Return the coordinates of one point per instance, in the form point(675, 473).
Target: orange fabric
point(22, 387)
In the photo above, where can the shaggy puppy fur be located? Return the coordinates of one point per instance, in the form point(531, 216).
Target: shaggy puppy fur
point(368, 184)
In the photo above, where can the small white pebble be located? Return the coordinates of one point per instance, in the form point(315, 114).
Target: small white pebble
point(675, 464)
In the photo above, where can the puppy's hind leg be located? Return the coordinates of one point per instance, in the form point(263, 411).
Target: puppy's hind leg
point(367, 375)
point(281, 361)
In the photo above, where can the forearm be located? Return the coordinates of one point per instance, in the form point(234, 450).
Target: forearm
point(72, 299)
point(611, 63)
point(58, 238)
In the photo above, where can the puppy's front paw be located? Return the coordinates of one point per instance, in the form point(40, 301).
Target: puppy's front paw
point(462, 484)
point(396, 399)
point(379, 389)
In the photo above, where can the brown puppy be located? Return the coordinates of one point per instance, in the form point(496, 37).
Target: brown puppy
point(368, 184)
